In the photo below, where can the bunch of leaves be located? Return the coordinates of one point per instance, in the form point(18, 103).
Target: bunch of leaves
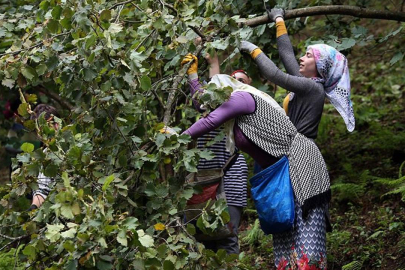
point(213, 96)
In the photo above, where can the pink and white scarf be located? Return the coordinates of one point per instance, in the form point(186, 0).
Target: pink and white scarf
point(332, 66)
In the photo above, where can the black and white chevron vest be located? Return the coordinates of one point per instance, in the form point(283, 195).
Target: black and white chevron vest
point(273, 132)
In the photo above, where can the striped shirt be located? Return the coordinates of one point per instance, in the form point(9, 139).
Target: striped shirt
point(235, 179)
point(44, 185)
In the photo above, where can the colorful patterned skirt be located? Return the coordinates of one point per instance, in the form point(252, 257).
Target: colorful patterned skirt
point(305, 244)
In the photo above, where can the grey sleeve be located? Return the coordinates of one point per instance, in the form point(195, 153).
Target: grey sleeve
point(297, 84)
point(44, 185)
point(287, 56)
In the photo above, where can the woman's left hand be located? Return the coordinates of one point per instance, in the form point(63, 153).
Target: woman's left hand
point(247, 47)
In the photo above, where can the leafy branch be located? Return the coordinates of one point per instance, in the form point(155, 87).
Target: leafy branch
point(33, 46)
point(332, 9)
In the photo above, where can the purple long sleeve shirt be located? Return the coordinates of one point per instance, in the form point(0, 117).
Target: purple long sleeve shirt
point(239, 103)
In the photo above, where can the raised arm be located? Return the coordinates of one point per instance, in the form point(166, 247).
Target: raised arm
point(239, 103)
point(297, 84)
point(285, 48)
point(193, 81)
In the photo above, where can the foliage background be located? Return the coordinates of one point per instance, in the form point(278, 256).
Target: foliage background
point(112, 68)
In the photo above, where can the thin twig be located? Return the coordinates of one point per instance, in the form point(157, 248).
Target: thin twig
point(145, 38)
point(122, 3)
point(140, 9)
point(119, 13)
point(198, 32)
point(163, 3)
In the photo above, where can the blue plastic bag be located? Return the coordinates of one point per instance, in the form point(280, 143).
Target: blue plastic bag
point(273, 197)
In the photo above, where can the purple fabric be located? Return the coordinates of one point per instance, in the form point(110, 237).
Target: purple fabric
point(239, 103)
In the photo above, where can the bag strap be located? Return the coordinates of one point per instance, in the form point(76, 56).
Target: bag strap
point(230, 162)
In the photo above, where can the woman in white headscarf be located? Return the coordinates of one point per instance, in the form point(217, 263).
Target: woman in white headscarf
point(257, 125)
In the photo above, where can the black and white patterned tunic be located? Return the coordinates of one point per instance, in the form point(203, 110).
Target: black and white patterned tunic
point(308, 172)
point(235, 179)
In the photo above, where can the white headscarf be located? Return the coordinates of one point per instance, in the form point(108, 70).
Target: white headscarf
point(221, 81)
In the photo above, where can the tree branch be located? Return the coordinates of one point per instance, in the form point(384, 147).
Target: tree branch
point(172, 94)
point(55, 97)
point(332, 9)
point(122, 3)
point(180, 76)
point(13, 239)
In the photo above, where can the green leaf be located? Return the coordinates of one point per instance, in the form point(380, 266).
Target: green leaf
point(27, 147)
point(220, 44)
point(206, 154)
point(56, 12)
point(71, 233)
point(30, 252)
point(182, 39)
point(53, 232)
point(191, 229)
point(89, 74)
point(66, 23)
point(184, 138)
point(23, 109)
point(41, 69)
point(115, 28)
point(108, 181)
point(8, 82)
point(150, 190)
point(68, 13)
point(44, 5)
point(66, 181)
point(105, 15)
point(168, 265)
point(131, 223)
point(122, 238)
point(146, 83)
point(137, 58)
point(51, 170)
point(102, 265)
point(53, 26)
point(71, 265)
point(90, 41)
point(29, 125)
point(145, 239)
point(29, 72)
point(66, 211)
point(397, 57)
point(160, 138)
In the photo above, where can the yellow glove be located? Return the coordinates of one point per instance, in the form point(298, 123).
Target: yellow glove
point(194, 66)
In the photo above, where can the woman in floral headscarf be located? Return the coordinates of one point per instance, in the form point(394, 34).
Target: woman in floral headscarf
point(322, 72)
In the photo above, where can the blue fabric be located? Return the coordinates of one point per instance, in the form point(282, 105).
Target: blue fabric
point(273, 197)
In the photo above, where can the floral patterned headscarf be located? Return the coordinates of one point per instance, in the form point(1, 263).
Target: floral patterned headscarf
point(332, 66)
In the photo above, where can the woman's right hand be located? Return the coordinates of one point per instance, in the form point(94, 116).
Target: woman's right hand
point(275, 13)
point(194, 65)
